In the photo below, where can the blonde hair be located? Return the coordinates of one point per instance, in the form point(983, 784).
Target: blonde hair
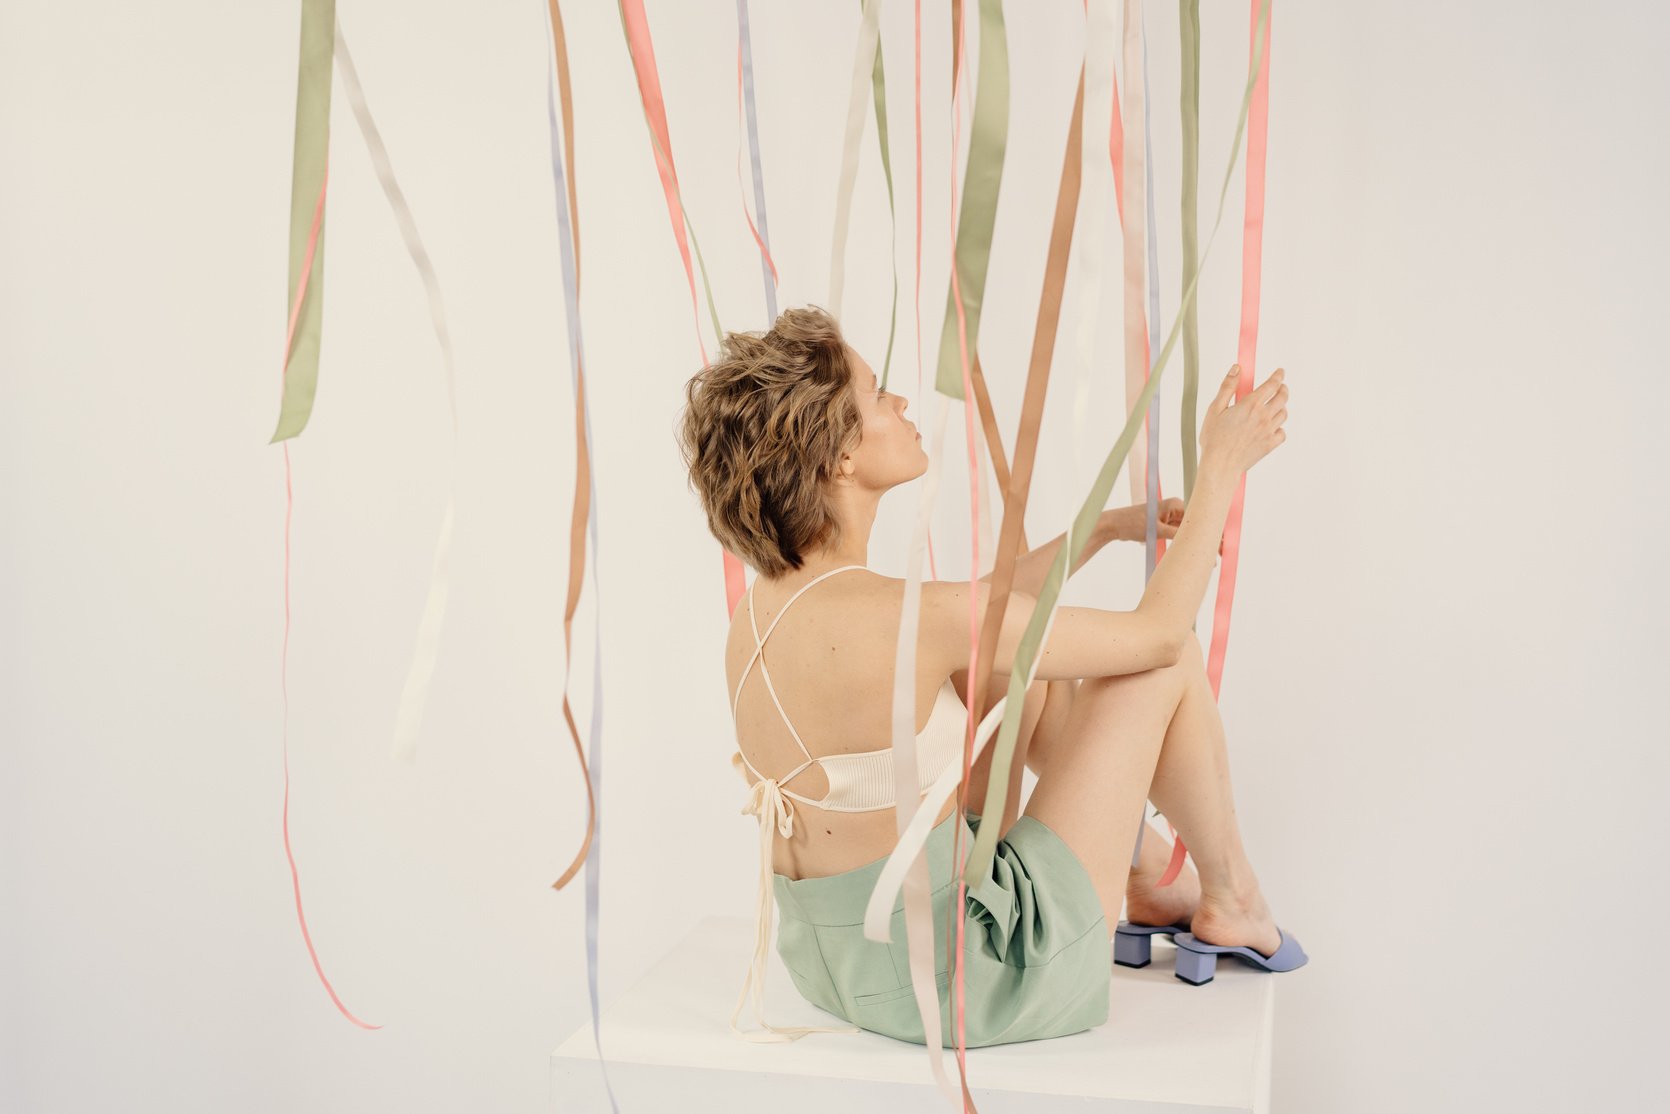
point(762, 435)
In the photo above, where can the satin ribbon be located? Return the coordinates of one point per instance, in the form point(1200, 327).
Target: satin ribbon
point(1154, 546)
point(970, 261)
point(911, 844)
point(972, 235)
point(1252, 240)
point(635, 26)
point(916, 295)
point(1252, 246)
point(307, 238)
point(1020, 483)
point(1133, 210)
point(879, 80)
point(584, 520)
point(988, 139)
point(414, 693)
point(863, 61)
point(766, 800)
point(310, 163)
point(745, 94)
point(1189, 35)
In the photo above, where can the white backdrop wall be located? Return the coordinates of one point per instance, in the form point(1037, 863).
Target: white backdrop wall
point(1448, 759)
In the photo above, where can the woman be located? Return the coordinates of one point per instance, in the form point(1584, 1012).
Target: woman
point(791, 443)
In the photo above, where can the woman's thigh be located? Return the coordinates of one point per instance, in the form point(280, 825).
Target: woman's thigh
point(1097, 769)
point(1032, 714)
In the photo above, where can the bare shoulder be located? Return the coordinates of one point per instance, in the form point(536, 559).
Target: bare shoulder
point(950, 608)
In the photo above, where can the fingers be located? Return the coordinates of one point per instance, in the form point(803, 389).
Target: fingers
point(1271, 386)
point(1226, 392)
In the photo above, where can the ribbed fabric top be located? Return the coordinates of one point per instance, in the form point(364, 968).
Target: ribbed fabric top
point(863, 781)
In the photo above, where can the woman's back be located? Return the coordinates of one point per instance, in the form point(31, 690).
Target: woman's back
point(830, 663)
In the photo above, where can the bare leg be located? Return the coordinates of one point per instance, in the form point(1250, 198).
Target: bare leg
point(1119, 733)
point(979, 776)
point(1145, 902)
point(1191, 787)
point(1096, 779)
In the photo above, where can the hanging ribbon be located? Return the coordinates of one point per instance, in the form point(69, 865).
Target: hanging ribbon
point(917, 886)
point(988, 143)
point(1252, 248)
point(635, 26)
point(1154, 547)
point(745, 93)
point(300, 362)
point(583, 521)
point(1252, 241)
point(414, 694)
point(887, 888)
point(307, 238)
point(1020, 481)
point(880, 82)
point(916, 296)
point(1133, 210)
point(863, 62)
point(1188, 12)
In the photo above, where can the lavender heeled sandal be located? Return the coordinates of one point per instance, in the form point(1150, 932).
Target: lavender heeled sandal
point(1197, 961)
point(1133, 944)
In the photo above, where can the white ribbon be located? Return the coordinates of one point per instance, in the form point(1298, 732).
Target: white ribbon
point(766, 800)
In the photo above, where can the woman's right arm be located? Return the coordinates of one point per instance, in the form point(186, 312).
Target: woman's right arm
point(1092, 642)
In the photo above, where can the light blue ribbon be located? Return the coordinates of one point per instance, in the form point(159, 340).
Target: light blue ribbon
point(571, 304)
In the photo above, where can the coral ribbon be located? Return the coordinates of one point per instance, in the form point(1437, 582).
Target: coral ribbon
point(301, 353)
point(1049, 593)
point(635, 26)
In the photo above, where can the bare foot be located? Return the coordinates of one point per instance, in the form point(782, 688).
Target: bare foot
point(1237, 922)
point(1174, 904)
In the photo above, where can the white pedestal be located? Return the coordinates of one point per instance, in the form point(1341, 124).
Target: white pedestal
point(1167, 1048)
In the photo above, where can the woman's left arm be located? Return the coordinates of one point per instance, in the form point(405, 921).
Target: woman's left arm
point(1114, 524)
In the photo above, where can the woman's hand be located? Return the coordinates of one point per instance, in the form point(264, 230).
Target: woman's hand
point(1130, 524)
point(1238, 434)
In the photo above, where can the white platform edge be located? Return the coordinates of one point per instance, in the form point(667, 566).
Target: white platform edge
point(1167, 1049)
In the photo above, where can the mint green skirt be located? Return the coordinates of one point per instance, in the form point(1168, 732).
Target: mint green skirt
point(1036, 961)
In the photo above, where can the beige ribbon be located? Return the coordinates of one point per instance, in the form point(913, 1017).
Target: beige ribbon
point(766, 800)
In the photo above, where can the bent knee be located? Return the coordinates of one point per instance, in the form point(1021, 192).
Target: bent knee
point(1190, 656)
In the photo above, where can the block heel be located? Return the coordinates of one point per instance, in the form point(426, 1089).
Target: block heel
point(1196, 968)
point(1132, 951)
point(1133, 944)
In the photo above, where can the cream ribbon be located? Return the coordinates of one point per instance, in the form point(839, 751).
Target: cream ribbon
point(766, 800)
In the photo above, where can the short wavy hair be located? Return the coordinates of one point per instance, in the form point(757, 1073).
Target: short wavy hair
point(762, 435)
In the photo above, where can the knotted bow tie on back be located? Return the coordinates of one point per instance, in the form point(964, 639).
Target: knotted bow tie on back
point(766, 800)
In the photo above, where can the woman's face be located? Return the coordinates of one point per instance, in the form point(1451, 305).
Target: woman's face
point(890, 451)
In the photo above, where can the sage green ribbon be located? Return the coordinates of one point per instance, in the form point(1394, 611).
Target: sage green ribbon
point(880, 81)
point(989, 137)
point(978, 865)
point(307, 183)
point(1188, 12)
